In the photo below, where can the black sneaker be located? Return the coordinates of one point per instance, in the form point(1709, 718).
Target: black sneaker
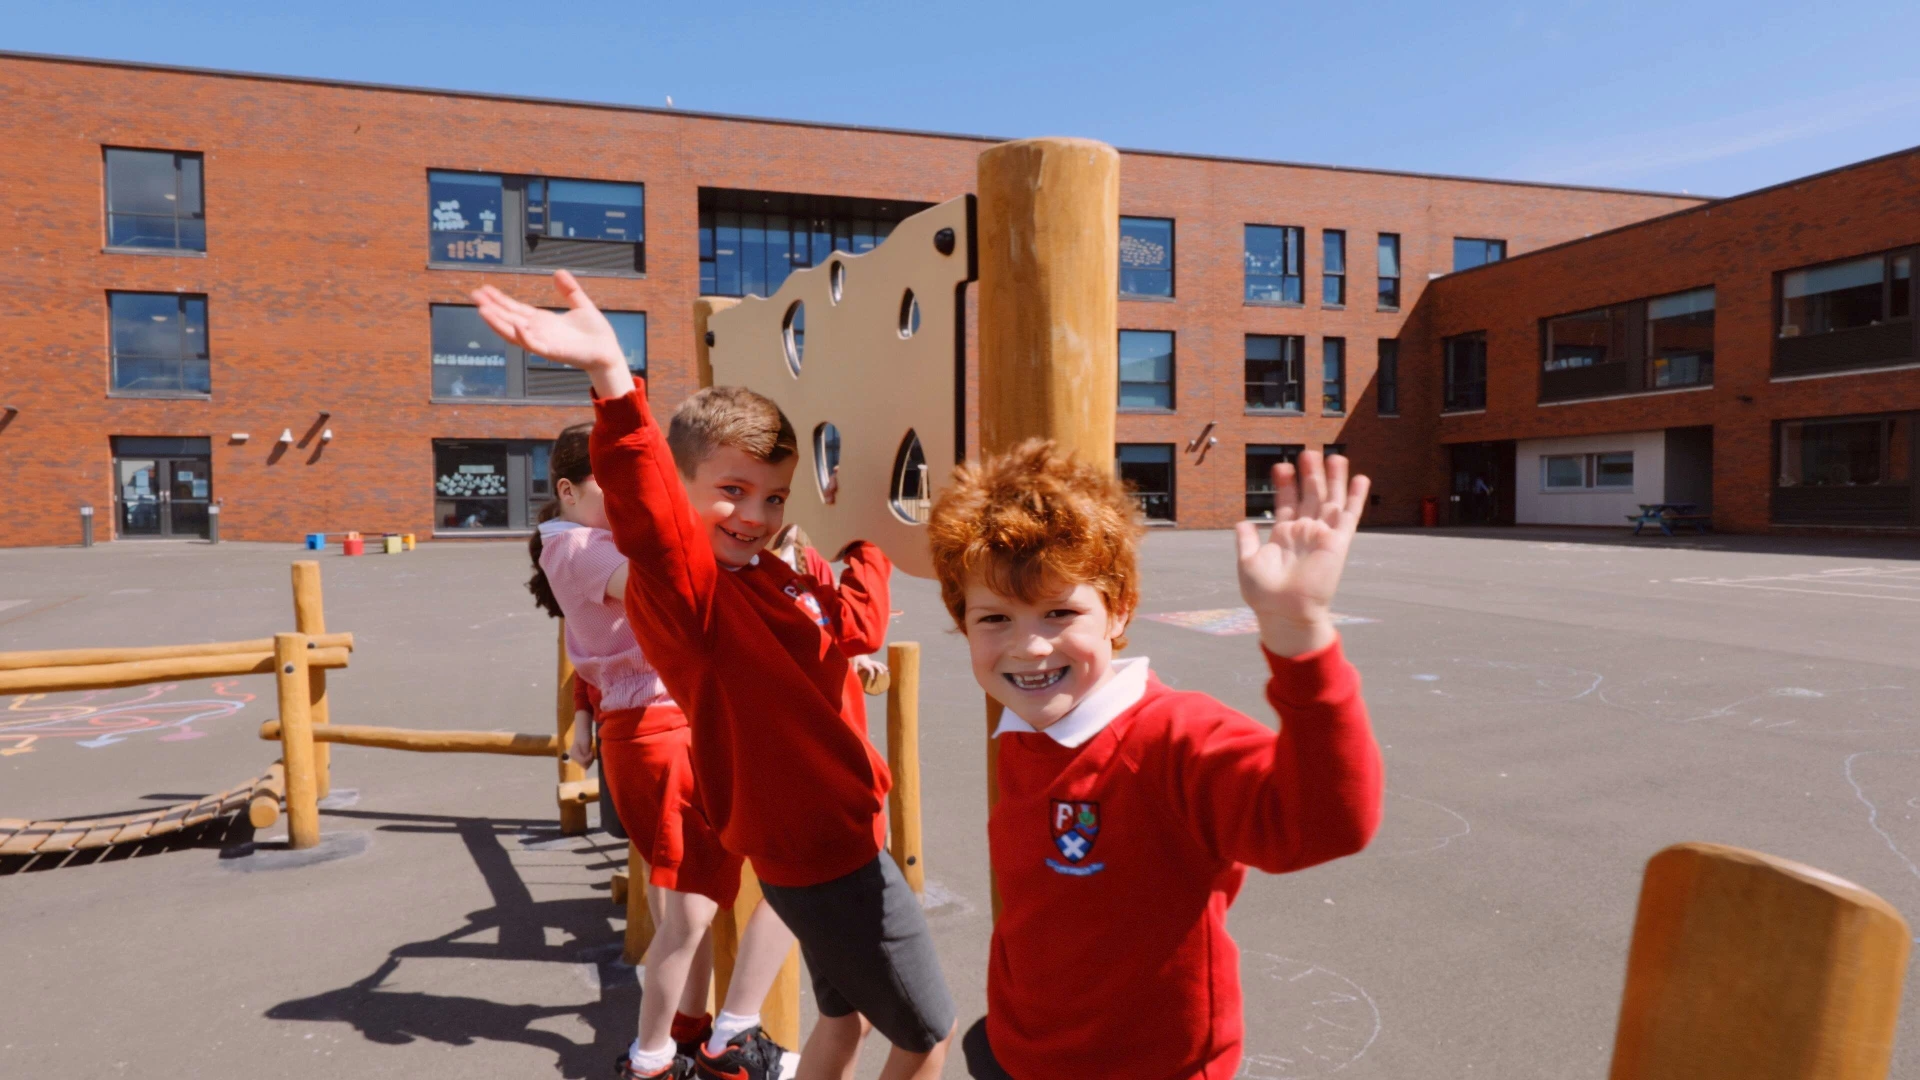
point(681, 1069)
point(750, 1055)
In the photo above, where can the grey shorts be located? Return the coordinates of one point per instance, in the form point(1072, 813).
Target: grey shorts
point(868, 948)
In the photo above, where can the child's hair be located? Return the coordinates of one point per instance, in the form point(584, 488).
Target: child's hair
point(729, 416)
point(568, 460)
point(1032, 519)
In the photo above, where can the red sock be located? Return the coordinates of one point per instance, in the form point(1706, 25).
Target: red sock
point(688, 1029)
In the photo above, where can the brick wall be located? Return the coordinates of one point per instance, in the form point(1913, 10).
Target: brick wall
point(318, 288)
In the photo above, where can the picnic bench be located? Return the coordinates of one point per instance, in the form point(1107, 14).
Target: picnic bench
point(1667, 515)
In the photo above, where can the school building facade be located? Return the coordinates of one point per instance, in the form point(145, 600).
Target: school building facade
point(249, 292)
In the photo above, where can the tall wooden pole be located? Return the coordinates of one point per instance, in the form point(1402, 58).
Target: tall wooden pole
point(1749, 967)
point(573, 815)
point(1049, 248)
point(639, 912)
point(903, 760)
point(296, 739)
point(310, 618)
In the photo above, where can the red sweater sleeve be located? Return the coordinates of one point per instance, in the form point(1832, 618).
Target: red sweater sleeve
point(1286, 801)
point(864, 600)
point(653, 523)
point(582, 695)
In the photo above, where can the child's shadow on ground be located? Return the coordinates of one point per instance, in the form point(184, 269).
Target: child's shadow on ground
point(589, 938)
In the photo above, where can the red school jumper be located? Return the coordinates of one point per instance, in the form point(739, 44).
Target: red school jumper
point(1118, 857)
point(757, 658)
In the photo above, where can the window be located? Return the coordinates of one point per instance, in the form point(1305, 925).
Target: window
point(1680, 339)
point(1146, 256)
point(488, 219)
point(1333, 268)
point(1465, 371)
point(1389, 258)
point(1469, 253)
point(1387, 378)
point(160, 344)
point(1582, 472)
point(1261, 458)
point(154, 201)
point(1586, 339)
point(1333, 376)
point(1273, 263)
point(1147, 471)
point(471, 361)
point(481, 484)
point(1332, 448)
point(1274, 372)
point(1846, 296)
point(1146, 369)
point(751, 240)
point(1845, 453)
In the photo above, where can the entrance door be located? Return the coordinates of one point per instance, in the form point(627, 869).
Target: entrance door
point(1483, 482)
point(163, 497)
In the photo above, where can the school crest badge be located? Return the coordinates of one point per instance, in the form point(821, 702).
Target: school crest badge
point(1076, 827)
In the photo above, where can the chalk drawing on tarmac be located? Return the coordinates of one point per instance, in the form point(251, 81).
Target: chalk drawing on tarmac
point(1887, 782)
point(1226, 622)
point(98, 718)
point(1302, 1019)
point(1415, 826)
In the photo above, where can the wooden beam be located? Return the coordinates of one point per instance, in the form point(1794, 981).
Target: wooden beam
point(1749, 967)
point(703, 309)
point(579, 791)
point(573, 814)
point(639, 933)
point(903, 760)
point(420, 741)
point(309, 618)
point(290, 656)
point(50, 658)
point(263, 805)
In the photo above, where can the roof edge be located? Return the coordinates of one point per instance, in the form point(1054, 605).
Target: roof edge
point(529, 99)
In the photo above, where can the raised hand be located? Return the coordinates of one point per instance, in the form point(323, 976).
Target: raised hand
point(579, 337)
point(1289, 578)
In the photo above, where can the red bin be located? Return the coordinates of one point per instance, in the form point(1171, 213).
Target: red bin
point(1429, 512)
point(353, 545)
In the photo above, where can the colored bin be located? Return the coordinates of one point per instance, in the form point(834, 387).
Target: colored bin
point(394, 545)
point(353, 545)
point(1429, 512)
point(316, 541)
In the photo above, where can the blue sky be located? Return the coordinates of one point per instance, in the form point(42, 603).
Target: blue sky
point(1706, 96)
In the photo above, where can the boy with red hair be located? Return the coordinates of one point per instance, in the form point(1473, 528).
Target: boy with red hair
point(1128, 812)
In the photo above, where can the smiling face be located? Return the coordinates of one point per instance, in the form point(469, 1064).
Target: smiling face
point(1040, 657)
point(741, 501)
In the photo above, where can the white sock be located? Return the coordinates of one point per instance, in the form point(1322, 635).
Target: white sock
point(726, 1026)
point(645, 1061)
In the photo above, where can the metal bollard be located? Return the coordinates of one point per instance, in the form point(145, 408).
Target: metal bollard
point(86, 526)
point(213, 524)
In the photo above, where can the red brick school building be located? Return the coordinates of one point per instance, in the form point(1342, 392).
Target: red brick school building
point(250, 291)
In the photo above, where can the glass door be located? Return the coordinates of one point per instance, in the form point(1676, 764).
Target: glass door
point(137, 497)
point(189, 491)
point(160, 496)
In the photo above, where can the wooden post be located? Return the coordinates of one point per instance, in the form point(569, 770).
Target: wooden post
point(573, 815)
point(1049, 245)
point(780, 1014)
point(309, 618)
point(639, 915)
point(296, 739)
point(703, 309)
point(903, 760)
point(1749, 967)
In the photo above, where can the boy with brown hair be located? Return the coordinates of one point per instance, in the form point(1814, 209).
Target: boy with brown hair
point(1128, 812)
point(758, 657)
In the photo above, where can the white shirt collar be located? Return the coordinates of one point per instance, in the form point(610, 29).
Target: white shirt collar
point(1095, 711)
point(556, 526)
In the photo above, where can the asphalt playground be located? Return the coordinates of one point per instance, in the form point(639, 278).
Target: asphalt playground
point(1554, 708)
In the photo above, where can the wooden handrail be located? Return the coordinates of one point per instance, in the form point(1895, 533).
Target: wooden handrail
point(55, 680)
point(428, 742)
point(51, 658)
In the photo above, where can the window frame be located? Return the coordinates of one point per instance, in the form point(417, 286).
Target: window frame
point(108, 212)
point(522, 363)
point(115, 390)
point(1280, 453)
point(1386, 377)
point(1172, 260)
point(1630, 367)
point(1891, 341)
point(1449, 403)
point(1400, 269)
point(1173, 368)
point(1330, 240)
point(1294, 365)
point(517, 242)
point(1297, 235)
point(1333, 350)
point(1173, 481)
point(1486, 246)
point(1590, 473)
point(818, 227)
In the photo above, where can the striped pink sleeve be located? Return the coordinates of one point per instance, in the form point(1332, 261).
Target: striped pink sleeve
point(579, 563)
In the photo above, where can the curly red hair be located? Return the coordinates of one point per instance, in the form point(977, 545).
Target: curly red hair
point(1031, 520)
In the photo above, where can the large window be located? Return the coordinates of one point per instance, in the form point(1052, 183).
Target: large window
point(1273, 258)
point(1469, 253)
point(1147, 471)
point(485, 484)
point(1146, 256)
point(751, 240)
point(160, 344)
point(1387, 378)
point(471, 361)
point(154, 201)
point(1680, 339)
point(1587, 472)
point(1146, 369)
point(489, 219)
point(1261, 458)
point(1273, 366)
point(1847, 471)
point(1587, 339)
point(1333, 268)
point(1465, 372)
point(1389, 262)
point(1333, 376)
point(1855, 314)
point(1655, 344)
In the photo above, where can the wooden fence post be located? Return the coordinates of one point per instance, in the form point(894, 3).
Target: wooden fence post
point(703, 309)
point(639, 914)
point(903, 760)
point(1049, 244)
point(309, 618)
point(1749, 967)
point(573, 815)
point(296, 739)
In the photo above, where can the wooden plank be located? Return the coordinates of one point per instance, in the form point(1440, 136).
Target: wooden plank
point(296, 740)
point(28, 840)
point(903, 760)
point(56, 680)
point(12, 661)
point(573, 814)
point(309, 618)
point(429, 742)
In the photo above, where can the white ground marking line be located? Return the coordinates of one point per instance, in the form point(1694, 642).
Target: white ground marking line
point(1433, 843)
point(5, 604)
point(1776, 588)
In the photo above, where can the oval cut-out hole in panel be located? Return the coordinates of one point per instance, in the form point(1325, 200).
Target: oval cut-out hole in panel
point(911, 498)
point(909, 315)
point(836, 279)
point(826, 458)
point(793, 332)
